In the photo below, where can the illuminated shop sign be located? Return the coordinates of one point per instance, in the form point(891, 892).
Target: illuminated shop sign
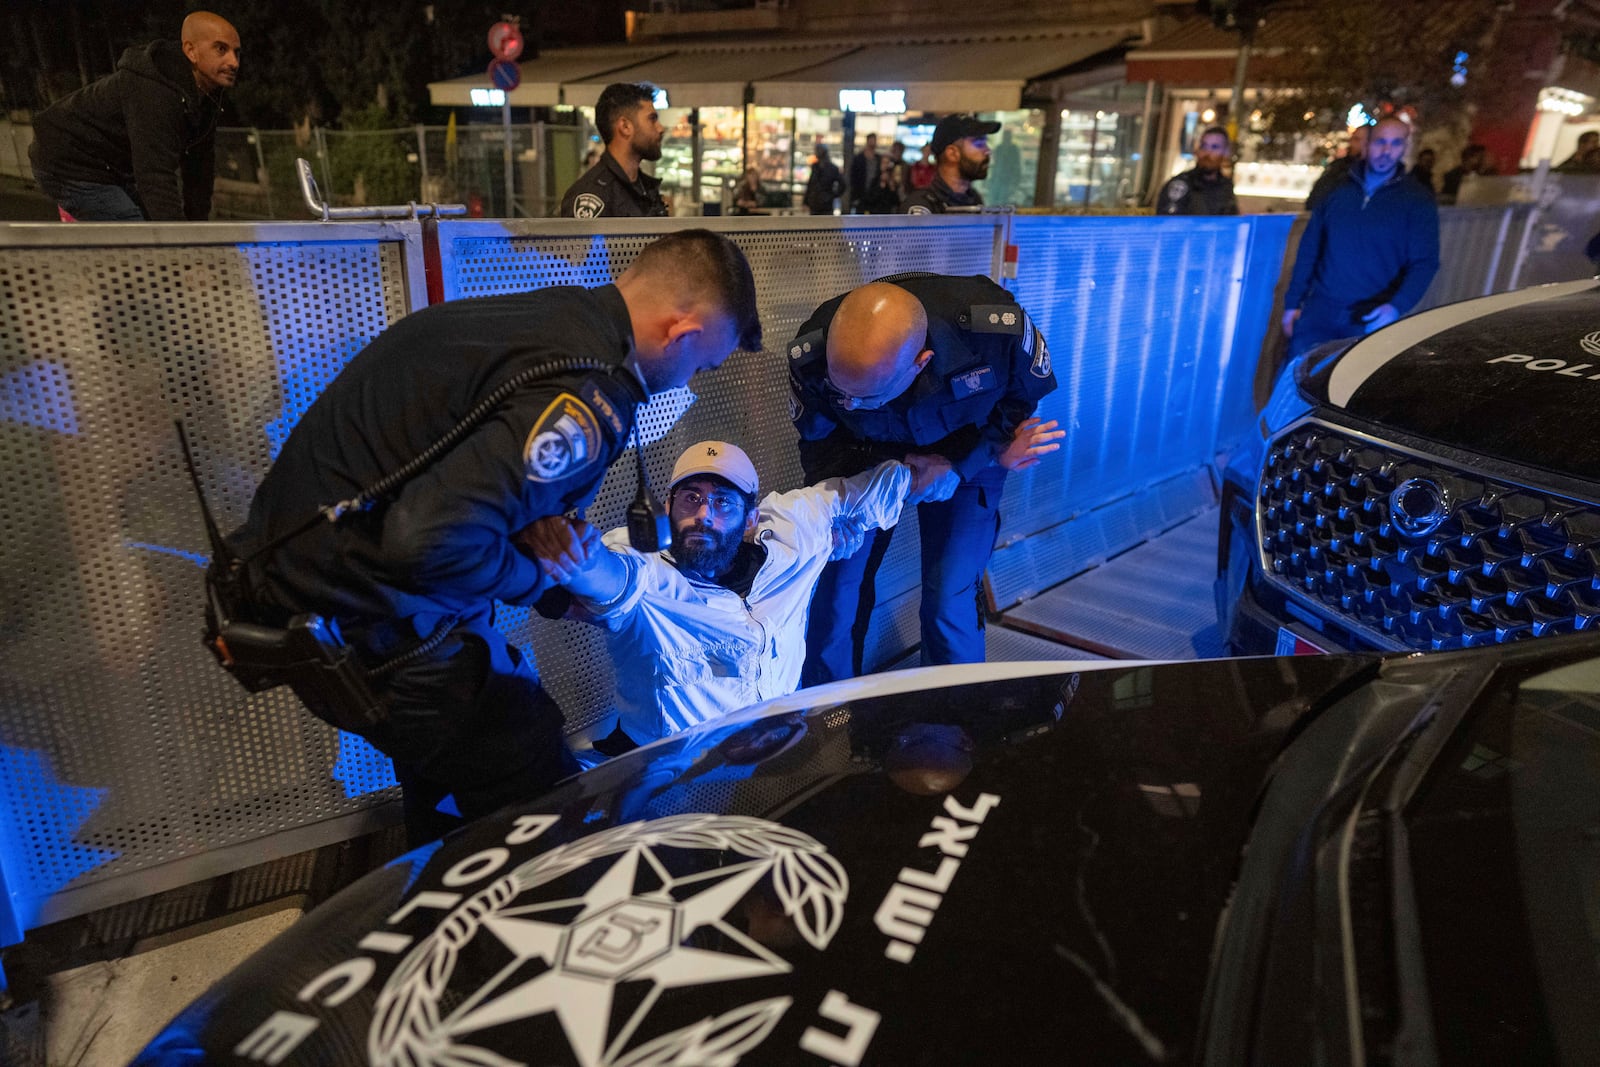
point(488, 97)
point(660, 99)
point(873, 101)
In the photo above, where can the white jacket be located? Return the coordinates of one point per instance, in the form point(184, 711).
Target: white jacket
point(686, 651)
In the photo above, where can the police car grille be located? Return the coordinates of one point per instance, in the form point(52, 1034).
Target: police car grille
point(1503, 563)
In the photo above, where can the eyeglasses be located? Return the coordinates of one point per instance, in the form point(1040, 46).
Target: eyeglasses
point(721, 504)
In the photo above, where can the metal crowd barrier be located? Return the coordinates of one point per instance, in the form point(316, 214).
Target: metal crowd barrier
point(129, 764)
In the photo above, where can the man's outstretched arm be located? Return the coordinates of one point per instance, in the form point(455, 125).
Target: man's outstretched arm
point(570, 553)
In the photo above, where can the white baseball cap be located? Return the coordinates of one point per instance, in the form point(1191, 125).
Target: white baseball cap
point(720, 458)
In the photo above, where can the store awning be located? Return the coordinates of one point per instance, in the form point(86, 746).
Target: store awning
point(543, 78)
point(984, 74)
point(707, 77)
point(1198, 53)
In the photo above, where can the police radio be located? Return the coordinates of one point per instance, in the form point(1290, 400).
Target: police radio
point(649, 528)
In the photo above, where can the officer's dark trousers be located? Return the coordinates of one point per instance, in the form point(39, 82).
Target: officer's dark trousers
point(957, 538)
point(1322, 320)
point(469, 722)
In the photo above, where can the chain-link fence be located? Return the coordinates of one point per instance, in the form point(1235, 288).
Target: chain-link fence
point(428, 164)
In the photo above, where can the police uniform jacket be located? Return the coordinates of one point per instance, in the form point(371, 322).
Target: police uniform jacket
point(605, 191)
point(1197, 192)
point(939, 198)
point(441, 545)
point(989, 369)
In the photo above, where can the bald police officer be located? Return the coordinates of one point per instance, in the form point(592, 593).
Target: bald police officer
point(926, 364)
point(411, 582)
point(616, 186)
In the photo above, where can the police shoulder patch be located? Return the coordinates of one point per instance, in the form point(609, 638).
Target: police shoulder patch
point(996, 318)
point(1039, 367)
point(565, 440)
point(588, 206)
point(1177, 189)
point(918, 209)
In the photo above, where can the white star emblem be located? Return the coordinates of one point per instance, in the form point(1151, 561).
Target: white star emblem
point(619, 934)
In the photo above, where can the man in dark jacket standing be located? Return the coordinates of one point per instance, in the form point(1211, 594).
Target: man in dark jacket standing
point(825, 185)
point(1369, 251)
point(1203, 189)
point(139, 143)
point(617, 187)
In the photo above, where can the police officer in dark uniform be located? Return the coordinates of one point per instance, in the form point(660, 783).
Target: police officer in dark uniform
point(933, 365)
point(960, 151)
point(615, 187)
point(1202, 189)
point(410, 583)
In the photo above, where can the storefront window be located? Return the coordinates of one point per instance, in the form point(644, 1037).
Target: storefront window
point(1098, 161)
point(721, 152)
point(1014, 157)
point(675, 168)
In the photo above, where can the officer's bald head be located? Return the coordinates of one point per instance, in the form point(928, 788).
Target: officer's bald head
point(211, 45)
point(875, 336)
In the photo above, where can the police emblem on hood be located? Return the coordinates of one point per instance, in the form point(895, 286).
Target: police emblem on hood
point(647, 906)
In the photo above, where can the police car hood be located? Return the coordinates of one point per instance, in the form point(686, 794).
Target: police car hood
point(1036, 862)
point(1513, 377)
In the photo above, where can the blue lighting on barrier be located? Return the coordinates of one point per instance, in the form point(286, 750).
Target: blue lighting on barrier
point(39, 821)
point(417, 859)
point(199, 559)
point(360, 768)
point(311, 348)
point(477, 267)
point(39, 394)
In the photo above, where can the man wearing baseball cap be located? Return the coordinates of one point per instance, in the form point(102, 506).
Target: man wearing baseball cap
point(960, 151)
point(718, 622)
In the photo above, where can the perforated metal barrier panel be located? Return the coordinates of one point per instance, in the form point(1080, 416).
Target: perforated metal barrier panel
point(1477, 252)
point(798, 263)
point(1154, 326)
point(128, 761)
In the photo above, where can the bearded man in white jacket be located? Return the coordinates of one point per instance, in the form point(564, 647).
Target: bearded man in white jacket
point(719, 622)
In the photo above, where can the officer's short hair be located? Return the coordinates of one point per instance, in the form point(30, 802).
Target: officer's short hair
point(618, 101)
point(1209, 130)
point(713, 269)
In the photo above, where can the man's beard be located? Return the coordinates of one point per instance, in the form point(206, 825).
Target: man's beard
point(646, 150)
point(709, 555)
point(973, 170)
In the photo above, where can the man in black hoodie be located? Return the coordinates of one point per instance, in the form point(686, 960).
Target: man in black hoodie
point(139, 143)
